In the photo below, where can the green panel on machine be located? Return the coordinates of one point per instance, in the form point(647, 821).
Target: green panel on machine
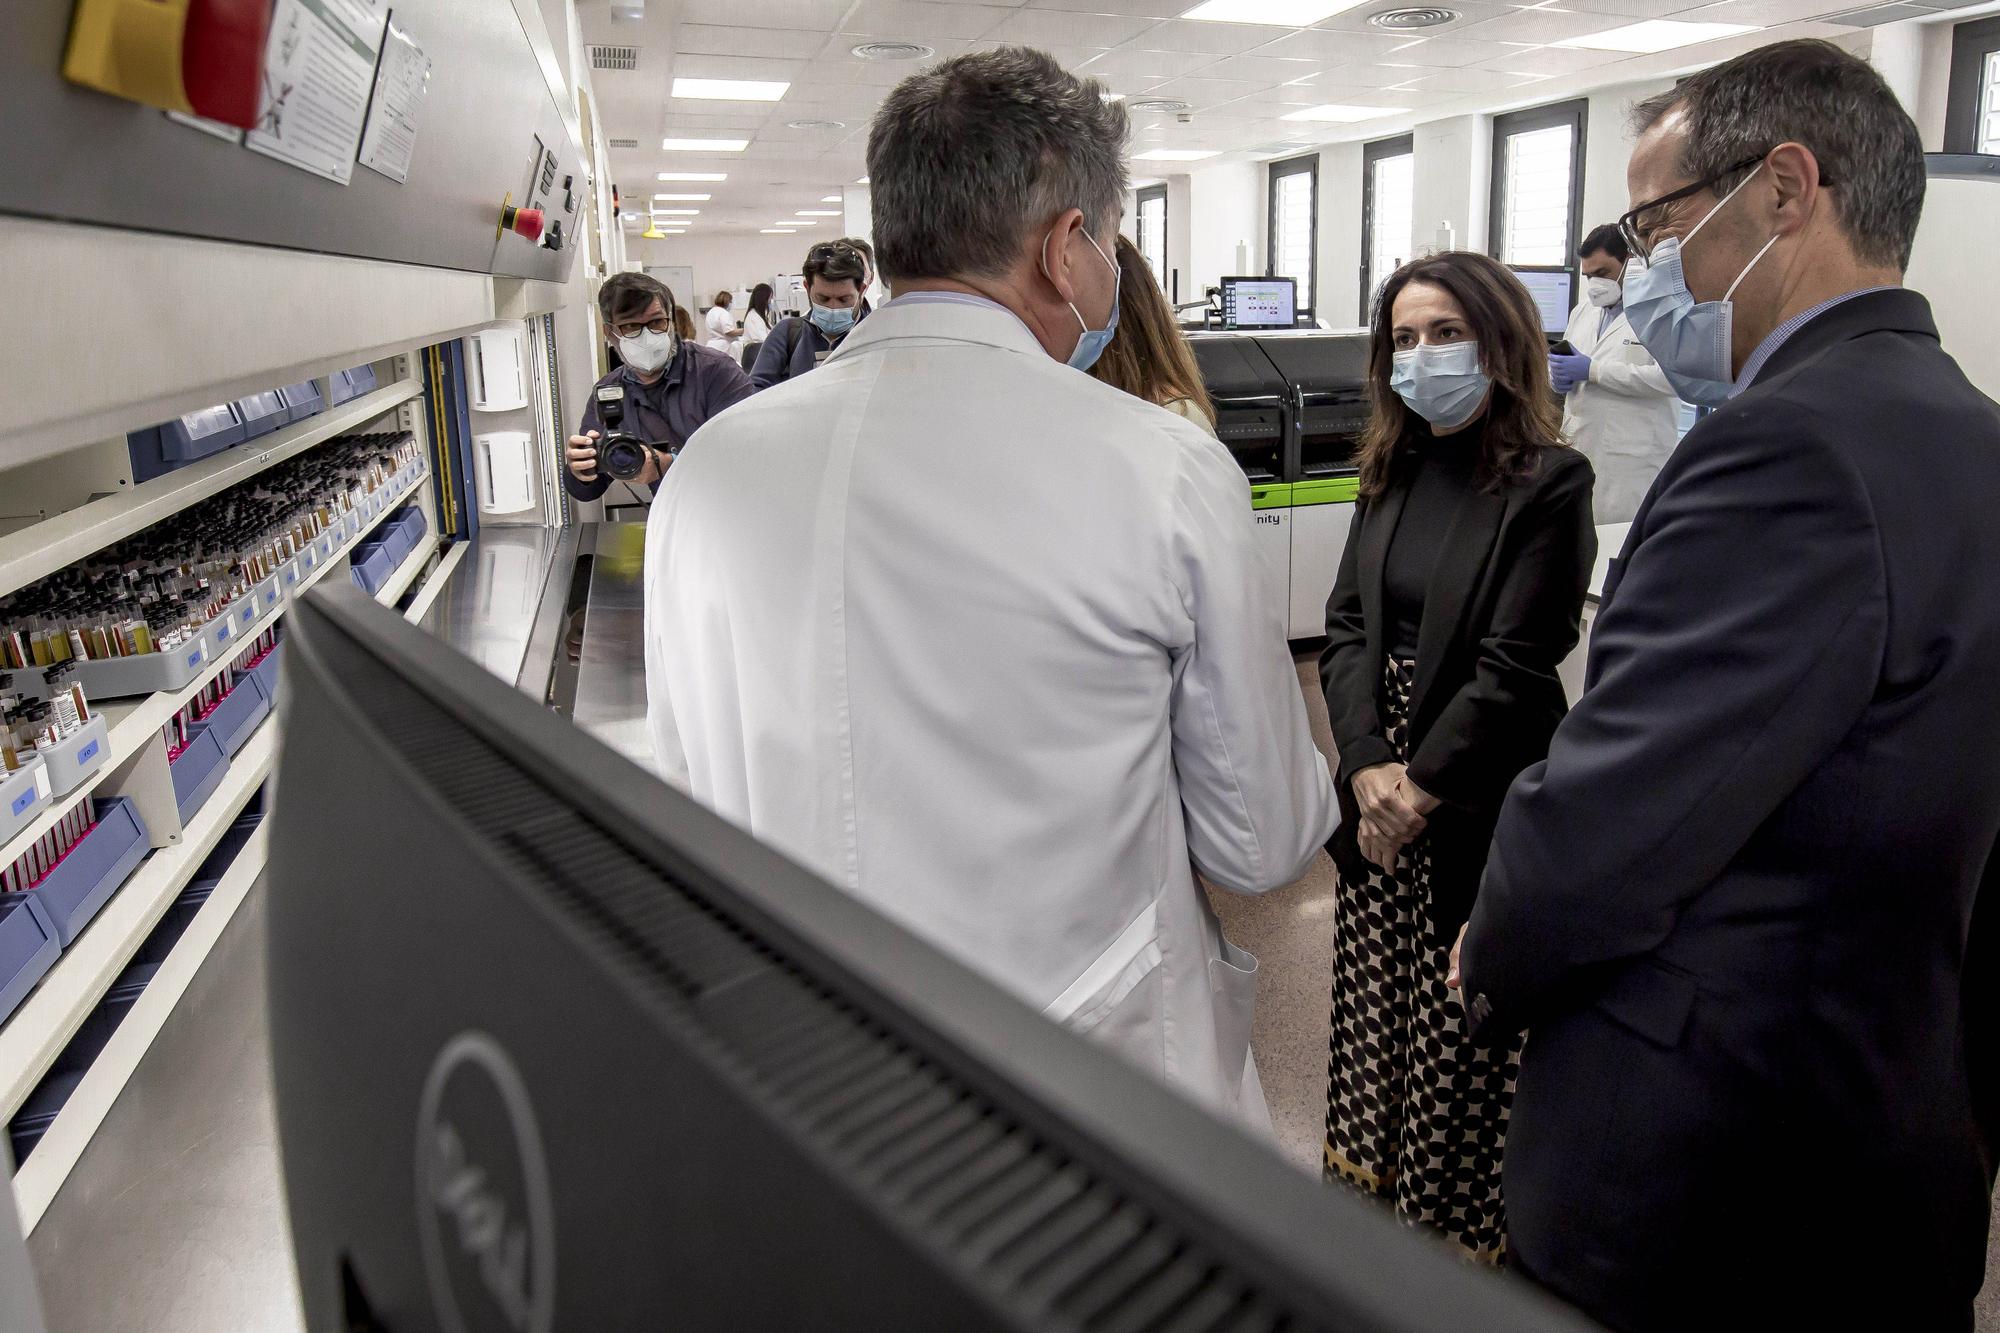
point(1325, 491)
point(1271, 495)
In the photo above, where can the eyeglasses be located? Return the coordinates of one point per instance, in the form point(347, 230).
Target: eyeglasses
point(1638, 236)
point(664, 324)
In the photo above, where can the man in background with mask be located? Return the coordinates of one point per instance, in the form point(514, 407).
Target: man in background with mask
point(980, 638)
point(836, 274)
point(672, 385)
point(1618, 408)
point(1733, 907)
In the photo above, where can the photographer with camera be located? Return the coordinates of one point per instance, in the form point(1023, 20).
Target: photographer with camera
point(640, 414)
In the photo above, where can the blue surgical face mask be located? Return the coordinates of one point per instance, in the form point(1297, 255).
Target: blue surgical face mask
point(1442, 382)
point(1689, 339)
point(831, 322)
point(1093, 342)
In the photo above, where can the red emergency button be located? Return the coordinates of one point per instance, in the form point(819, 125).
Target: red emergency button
point(522, 221)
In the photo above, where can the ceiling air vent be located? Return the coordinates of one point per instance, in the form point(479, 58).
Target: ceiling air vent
point(1409, 20)
point(624, 143)
point(1164, 105)
point(614, 57)
point(894, 51)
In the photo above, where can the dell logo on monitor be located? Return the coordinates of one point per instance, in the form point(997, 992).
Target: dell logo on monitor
point(484, 1210)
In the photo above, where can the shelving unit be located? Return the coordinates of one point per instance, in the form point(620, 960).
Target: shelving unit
point(37, 1033)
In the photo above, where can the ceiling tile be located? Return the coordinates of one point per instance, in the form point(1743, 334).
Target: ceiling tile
point(836, 97)
point(1130, 64)
point(839, 65)
point(1136, 9)
point(1764, 13)
point(1206, 92)
point(1468, 81)
point(1046, 28)
point(1076, 58)
point(1335, 48)
point(1290, 96)
point(769, 43)
point(794, 14)
point(1446, 53)
point(1551, 59)
point(910, 20)
point(1651, 9)
point(696, 66)
point(1541, 25)
point(1264, 70)
point(1217, 39)
point(1376, 75)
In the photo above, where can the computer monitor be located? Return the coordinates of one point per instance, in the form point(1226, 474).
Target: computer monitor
point(556, 1048)
point(1259, 303)
point(1554, 291)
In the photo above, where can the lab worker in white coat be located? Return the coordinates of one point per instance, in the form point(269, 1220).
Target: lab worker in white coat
point(981, 639)
point(1618, 407)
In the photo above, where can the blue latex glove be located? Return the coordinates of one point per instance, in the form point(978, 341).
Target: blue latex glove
point(1568, 371)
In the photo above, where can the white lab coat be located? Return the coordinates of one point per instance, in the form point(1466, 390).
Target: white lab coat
point(755, 327)
point(721, 328)
point(1625, 418)
point(985, 641)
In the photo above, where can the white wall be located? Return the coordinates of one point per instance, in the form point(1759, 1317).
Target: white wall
point(1227, 208)
point(1454, 163)
point(729, 261)
point(1607, 147)
point(1180, 241)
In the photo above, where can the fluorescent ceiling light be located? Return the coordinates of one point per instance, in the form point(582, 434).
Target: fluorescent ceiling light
point(862, 181)
point(730, 90)
point(693, 176)
point(818, 213)
point(831, 199)
point(1656, 35)
point(1112, 97)
point(675, 212)
point(777, 231)
point(1342, 114)
point(703, 145)
point(1276, 13)
point(691, 198)
point(796, 222)
point(1176, 155)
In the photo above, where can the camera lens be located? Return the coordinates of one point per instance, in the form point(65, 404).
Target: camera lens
point(622, 458)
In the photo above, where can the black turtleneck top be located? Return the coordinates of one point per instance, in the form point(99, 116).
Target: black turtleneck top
point(1445, 471)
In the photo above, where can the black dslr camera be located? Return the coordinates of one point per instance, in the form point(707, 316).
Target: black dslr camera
point(622, 455)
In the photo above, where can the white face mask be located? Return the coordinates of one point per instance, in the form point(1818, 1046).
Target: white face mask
point(1603, 292)
point(649, 351)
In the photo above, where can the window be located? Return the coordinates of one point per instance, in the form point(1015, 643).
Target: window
point(1152, 229)
point(1537, 212)
point(1388, 213)
point(1972, 107)
point(1294, 247)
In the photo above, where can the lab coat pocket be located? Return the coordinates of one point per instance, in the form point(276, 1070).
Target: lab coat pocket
point(1232, 979)
point(1118, 993)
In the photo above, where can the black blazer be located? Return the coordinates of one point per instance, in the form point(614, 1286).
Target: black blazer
point(1733, 907)
point(1500, 614)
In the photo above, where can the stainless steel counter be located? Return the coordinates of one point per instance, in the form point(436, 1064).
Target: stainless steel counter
point(611, 677)
point(503, 605)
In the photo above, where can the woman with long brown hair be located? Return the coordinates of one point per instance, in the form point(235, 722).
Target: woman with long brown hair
point(1150, 358)
point(1458, 596)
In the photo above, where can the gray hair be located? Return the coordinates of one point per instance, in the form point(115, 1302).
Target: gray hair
point(968, 156)
point(1813, 93)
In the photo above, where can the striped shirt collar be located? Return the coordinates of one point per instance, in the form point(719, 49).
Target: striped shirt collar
point(1781, 335)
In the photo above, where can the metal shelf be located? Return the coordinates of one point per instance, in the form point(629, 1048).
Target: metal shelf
point(43, 548)
point(51, 1015)
point(133, 722)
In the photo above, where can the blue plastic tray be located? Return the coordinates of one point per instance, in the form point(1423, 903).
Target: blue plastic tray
point(22, 796)
point(198, 770)
point(29, 944)
point(237, 716)
point(266, 672)
point(95, 868)
point(374, 562)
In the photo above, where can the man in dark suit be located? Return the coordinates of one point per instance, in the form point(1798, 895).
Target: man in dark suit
point(1732, 908)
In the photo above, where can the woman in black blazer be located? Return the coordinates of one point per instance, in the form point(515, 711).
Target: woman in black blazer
point(1458, 596)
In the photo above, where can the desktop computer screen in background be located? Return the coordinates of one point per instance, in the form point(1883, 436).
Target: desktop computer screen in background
point(1554, 293)
point(1259, 303)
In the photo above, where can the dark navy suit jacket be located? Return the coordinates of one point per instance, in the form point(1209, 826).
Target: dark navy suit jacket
point(1732, 908)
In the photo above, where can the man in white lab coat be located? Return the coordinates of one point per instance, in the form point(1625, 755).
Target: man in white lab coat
point(978, 637)
point(1617, 405)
